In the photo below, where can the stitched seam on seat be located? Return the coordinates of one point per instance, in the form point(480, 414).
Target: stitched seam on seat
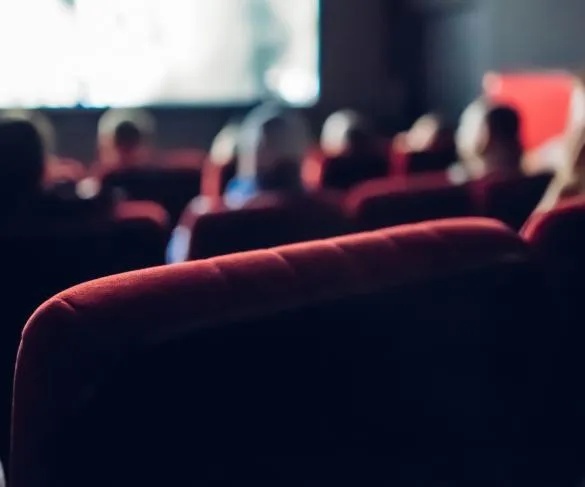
point(287, 264)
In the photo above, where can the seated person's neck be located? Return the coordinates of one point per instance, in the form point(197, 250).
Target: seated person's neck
point(501, 158)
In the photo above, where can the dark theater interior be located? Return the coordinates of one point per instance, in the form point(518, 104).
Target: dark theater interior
point(292, 243)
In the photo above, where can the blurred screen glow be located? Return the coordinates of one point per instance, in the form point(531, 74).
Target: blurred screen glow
point(121, 53)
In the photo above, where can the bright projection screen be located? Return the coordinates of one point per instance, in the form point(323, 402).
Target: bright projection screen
point(123, 53)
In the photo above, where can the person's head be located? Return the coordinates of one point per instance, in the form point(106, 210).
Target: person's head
point(500, 141)
point(22, 158)
point(125, 135)
point(272, 146)
point(41, 122)
point(344, 131)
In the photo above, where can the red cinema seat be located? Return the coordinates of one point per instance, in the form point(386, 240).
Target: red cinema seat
point(266, 221)
point(385, 203)
point(215, 177)
point(60, 246)
point(510, 200)
point(403, 355)
point(558, 236)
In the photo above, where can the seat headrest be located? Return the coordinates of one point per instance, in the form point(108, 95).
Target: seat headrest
point(77, 335)
point(139, 303)
point(561, 224)
point(382, 187)
point(281, 276)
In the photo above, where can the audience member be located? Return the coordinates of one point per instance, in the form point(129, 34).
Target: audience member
point(488, 142)
point(22, 161)
point(272, 146)
point(23, 164)
point(569, 180)
point(270, 149)
point(501, 147)
point(125, 140)
point(335, 129)
point(57, 170)
point(351, 150)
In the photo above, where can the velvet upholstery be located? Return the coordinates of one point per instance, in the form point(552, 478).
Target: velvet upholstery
point(383, 203)
point(267, 220)
point(407, 356)
point(557, 237)
point(60, 245)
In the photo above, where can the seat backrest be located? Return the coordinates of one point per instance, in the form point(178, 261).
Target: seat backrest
point(266, 221)
point(172, 188)
point(558, 237)
point(384, 203)
point(509, 199)
point(44, 253)
point(358, 360)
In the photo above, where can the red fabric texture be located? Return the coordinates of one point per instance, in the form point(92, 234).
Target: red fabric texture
point(75, 336)
point(382, 203)
point(266, 221)
point(542, 226)
point(215, 177)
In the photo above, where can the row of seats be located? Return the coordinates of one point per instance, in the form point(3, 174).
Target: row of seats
point(270, 221)
point(188, 173)
point(56, 244)
point(441, 353)
point(64, 243)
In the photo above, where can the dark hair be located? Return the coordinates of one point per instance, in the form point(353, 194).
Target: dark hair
point(360, 139)
point(503, 123)
point(127, 135)
point(22, 156)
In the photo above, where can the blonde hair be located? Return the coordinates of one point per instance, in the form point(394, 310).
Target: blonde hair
point(336, 129)
point(113, 118)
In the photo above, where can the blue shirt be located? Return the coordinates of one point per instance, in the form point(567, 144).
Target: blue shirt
point(239, 191)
